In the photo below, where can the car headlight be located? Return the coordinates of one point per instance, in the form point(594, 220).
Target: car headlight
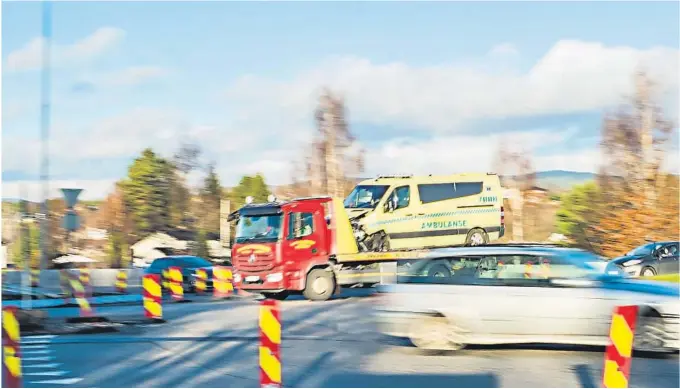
point(632, 262)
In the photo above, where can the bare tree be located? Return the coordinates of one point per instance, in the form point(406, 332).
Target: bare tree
point(329, 165)
point(634, 141)
point(518, 176)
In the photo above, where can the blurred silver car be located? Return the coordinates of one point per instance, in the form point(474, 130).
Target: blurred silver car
point(522, 294)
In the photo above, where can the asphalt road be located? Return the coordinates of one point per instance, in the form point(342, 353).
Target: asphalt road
point(329, 344)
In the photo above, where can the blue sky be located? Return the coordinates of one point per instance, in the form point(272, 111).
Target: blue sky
point(429, 87)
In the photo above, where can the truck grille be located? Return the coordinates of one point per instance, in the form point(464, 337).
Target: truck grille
point(261, 263)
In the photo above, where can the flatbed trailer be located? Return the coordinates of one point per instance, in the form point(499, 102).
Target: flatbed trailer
point(308, 246)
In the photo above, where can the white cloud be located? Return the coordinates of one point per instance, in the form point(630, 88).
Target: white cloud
point(573, 76)
point(461, 153)
point(268, 121)
point(32, 190)
point(29, 57)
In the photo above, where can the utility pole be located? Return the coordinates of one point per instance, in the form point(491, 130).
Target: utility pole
point(45, 128)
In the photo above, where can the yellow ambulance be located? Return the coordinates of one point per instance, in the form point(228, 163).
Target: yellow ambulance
point(407, 212)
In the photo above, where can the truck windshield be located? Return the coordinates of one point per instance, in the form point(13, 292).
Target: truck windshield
point(261, 228)
point(365, 196)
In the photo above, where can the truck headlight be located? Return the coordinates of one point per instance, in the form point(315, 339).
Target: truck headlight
point(275, 277)
point(632, 262)
point(237, 277)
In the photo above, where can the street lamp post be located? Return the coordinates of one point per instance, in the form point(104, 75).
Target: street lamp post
point(44, 130)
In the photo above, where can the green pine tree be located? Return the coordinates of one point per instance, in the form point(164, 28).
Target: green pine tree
point(147, 193)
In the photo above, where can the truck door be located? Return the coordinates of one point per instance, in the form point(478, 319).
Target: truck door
point(304, 235)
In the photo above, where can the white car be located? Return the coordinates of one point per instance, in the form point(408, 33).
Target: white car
point(522, 294)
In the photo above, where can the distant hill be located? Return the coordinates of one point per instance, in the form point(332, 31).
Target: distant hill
point(559, 180)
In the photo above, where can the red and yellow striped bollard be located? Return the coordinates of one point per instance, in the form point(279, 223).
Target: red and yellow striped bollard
point(11, 361)
point(121, 281)
point(201, 280)
point(222, 282)
point(81, 297)
point(527, 270)
point(165, 278)
point(35, 277)
point(618, 355)
point(176, 288)
point(151, 284)
point(270, 344)
point(86, 281)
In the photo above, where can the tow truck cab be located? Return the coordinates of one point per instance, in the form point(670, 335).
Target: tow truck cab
point(278, 243)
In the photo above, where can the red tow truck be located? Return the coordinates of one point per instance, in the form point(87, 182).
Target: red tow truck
point(306, 246)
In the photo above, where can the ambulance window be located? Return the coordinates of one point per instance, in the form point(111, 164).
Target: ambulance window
point(430, 193)
point(464, 189)
point(402, 195)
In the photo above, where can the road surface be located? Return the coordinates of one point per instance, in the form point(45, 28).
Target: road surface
point(329, 344)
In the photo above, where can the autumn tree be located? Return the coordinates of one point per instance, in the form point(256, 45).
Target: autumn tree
point(116, 219)
point(637, 204)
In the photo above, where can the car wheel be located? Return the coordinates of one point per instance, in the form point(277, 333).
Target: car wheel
point(435, 333)
point(649, 334)
point(476, 237)
point(320, 285)
point(648, 272)
point(439, 270)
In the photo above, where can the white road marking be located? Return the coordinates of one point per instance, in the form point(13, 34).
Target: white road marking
point(37, 341)
point(55, 373)
point(43, 366)
point(29, 346)
point(65, 381)
point(48, 358)
point(40, 337)
point(32, 352)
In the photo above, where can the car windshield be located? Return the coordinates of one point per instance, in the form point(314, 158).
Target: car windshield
point(365, 196)
point(261, 228)
point(642, 250)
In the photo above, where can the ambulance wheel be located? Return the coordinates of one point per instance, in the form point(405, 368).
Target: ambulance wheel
point(476, 237)
point(320, 285)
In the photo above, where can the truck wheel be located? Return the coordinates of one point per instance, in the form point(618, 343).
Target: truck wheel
point(320, 285)
point(277, 295)
point(476, 237)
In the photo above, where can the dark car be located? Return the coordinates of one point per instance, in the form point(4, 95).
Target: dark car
point(650, 259)
point(189, 265)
